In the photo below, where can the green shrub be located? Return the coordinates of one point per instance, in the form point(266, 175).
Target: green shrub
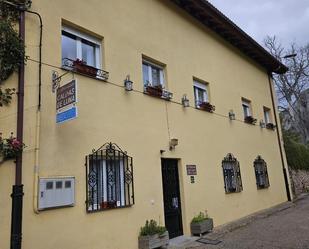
point(200, 217)
point(151, 228)
point(297, 153)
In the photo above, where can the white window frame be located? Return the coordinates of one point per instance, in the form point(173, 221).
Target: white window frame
point(267, 115)
point(150, 65)
point(203, 87)
point(247, 104)
point(79, 36)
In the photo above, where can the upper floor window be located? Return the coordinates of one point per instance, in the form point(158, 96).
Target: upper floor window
point(261, 174)
point(267, 118)
point(80, 46)
point(246, 106)
point(231, 174)
point(153, 74)
point(200, 93)
point(109, 173)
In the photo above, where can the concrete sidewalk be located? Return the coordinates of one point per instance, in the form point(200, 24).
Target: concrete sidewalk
point(285, 226)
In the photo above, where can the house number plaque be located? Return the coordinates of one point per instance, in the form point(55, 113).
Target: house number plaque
point(191, 170)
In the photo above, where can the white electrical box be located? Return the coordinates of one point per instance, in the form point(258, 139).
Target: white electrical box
point(56, 192)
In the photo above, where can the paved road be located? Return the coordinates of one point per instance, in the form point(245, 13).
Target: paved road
point(287, 229)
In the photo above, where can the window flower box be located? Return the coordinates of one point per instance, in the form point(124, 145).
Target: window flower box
point(201, 224)
point(270, 126)
point(152, 236)
point(81, 67)
point(250, 120)
point(206, 106)
point(155, 91)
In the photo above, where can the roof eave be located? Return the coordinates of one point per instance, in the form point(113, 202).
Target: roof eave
point(211, 17)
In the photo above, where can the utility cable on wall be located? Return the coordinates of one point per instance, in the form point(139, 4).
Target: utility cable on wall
point(141, 92)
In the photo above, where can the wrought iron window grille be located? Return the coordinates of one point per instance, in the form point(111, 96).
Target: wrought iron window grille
point(77, 66)
point(261, 174)
point(109, 179)
point(231, 174)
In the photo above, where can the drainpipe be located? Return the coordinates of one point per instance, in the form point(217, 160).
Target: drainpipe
point(17, 194)
point(284, 169)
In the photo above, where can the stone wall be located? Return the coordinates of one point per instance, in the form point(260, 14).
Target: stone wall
point(300, 180)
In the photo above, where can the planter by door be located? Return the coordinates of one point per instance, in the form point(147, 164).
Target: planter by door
point(153, 241)
point(202, 227)
point(171, 196)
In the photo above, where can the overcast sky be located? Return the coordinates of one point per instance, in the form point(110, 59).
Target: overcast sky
point(287, 19)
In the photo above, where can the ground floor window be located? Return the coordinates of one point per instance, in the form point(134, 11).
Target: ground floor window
point(231, 174)
point(109, 173)
point(261, 174)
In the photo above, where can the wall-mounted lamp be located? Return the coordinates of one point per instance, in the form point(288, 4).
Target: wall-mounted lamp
point(232, 115)
point(262, 124)
point(173, 143)
point(128, 84)
point(185, 101)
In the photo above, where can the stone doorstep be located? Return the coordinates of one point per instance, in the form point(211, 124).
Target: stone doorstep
point(187, 242)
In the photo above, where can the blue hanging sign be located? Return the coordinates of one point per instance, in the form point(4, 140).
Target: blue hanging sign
point(66, 115)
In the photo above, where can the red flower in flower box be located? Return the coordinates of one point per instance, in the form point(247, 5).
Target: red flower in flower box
point(206, 106)
point(155, 91)
point(250, 120)
point(81, 67)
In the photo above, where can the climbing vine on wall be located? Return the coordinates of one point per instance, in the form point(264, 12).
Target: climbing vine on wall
point(12, 50)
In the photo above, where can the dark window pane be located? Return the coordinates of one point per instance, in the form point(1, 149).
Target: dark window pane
point(155, 76)
point(49, 185)
point(88, 53)
point(67, 184)
point(145, 74)
point(68, 46)
point(58, 184)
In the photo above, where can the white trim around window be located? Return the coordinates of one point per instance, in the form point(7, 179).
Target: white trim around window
point(148, 76)
point(198, 86)
point(246, 105)
point(79, 38)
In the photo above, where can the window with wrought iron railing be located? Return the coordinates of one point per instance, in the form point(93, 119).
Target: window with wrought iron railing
point(231, 174)
point(109, 172)
point(261, 174)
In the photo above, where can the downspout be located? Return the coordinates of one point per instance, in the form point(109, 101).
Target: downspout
point(285, 174)
point(17, 195)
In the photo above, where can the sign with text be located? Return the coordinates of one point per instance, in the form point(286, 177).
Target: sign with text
point(66, 95)
point(191, 170)
point(66, 98)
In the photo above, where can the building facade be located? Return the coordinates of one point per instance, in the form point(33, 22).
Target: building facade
point(129, 156)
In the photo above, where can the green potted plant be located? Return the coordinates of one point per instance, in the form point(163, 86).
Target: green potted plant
point(152, 236)
point(201, 223)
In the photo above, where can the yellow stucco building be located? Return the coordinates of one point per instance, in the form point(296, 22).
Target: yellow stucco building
point(185, 139)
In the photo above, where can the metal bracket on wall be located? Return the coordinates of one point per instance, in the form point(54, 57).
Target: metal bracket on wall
point(56, 79)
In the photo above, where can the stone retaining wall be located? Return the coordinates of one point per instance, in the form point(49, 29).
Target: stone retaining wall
point(300, 180)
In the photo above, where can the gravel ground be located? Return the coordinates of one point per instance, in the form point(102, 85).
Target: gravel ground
point(286, 229)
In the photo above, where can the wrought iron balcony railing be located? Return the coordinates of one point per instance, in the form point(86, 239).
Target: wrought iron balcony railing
point(79, 67)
